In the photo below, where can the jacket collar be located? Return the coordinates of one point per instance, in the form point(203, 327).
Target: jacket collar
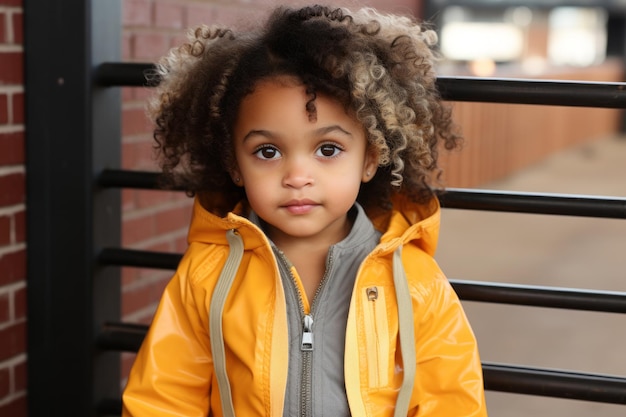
point(207, 227)
point(410, 222)
point(405, 222)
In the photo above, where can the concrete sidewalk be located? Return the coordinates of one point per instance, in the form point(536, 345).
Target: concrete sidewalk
point(531, 249)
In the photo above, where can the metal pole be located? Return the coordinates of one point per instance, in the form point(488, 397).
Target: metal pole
point(68, 217)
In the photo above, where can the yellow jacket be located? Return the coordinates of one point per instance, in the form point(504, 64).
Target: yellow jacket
point(174, 372)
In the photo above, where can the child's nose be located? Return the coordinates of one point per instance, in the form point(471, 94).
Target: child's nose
point(298, 174)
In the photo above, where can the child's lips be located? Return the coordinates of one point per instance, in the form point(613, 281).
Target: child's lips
point(300, 206)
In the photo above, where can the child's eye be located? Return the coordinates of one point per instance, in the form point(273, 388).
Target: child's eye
point(267, 152)
point(328, 150)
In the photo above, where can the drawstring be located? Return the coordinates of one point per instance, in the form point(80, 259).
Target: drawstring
point(222, 288)
point(407, 338)
point(224, 282)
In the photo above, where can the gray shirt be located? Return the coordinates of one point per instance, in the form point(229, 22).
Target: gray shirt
point(315, 382)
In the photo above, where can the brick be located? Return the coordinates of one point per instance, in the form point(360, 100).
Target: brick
point(128, 199)
point(196, 15)
point(15, 408)
point(18, 28)
point(139, 155)
point(134, 96)
point(5, 312)
point(145, 317)
point(12, 189)
point(237, 17)
point(13, 267)
point(129, 275)
point(178, 40)
point(168, 15)
point(151, 198)
point(129, 155)
point(127, 360)
point(19, 226)
point(157, 247)
point(127, 94)
point(12, 147)
point(149, 46)
point(141, 297)
point(126, 46)
point(4, 109)
point(137, 13)
point(171, 220)
point(135, 122)
point(5, 382)
point(142, 93)
point(137, 230)
point(20, 373)
point(3, 28)
point(20, 304)
point(14, 3)
point(18, 109)
point(13, 341)
point(180, 244)
point(11, 68)
point(5, 230)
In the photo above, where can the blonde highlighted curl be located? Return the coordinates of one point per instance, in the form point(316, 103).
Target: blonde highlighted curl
point(380, 67)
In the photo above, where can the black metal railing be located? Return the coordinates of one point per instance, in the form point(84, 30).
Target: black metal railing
point(498, 377)
point(484, 90)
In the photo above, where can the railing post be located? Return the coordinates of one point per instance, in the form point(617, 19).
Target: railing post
point(616, 43)
point(72, 133)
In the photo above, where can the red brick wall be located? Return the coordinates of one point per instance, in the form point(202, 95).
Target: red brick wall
point(12, 213)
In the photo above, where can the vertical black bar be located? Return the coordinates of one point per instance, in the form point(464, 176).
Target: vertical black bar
point(68, 219)
point(616, 43)
point(106, 23)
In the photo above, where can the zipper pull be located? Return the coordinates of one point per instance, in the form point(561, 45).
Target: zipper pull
point(372, 293)
point(307, 334)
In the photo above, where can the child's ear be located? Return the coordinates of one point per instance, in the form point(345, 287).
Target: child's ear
point(236, 177)
point(371, 164)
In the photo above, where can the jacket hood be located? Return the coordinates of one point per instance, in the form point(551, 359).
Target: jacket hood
point(411, 222)
point(405, 222)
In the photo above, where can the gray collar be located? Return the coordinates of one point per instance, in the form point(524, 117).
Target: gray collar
point(362, 230)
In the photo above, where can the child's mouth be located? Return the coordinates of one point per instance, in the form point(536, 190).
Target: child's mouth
point(300, 206)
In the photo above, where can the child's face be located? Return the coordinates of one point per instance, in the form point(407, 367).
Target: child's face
point(301, 177)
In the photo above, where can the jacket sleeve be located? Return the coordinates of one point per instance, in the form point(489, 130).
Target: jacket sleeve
point(172, 373)
point(449, 380)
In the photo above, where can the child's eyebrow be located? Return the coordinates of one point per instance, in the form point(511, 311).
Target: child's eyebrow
point(329, 129)
point(317, 132)
point(258, 132)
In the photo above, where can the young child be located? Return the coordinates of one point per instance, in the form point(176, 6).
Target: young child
point(309, 286)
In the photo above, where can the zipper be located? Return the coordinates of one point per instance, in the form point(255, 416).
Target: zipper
point(372, 293)
point(377, 339)
point(307, 334)
point(373, 341)
point(307, 340)
point(306, 383)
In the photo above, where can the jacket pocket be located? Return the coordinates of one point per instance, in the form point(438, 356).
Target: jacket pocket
point(376, 336)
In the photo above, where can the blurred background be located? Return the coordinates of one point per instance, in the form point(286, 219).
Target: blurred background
point(559, 251)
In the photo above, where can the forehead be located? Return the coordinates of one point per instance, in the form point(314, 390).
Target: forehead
point(283, 102)
point(274, 92)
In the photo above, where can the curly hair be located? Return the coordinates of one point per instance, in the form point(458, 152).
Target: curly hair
point(380, 67)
